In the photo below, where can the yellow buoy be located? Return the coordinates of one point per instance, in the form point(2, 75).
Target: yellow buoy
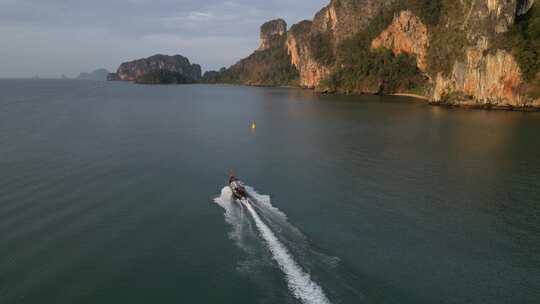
point(253, 126)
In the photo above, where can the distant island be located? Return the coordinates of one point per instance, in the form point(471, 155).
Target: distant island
point(158, 69)
point(98, 75)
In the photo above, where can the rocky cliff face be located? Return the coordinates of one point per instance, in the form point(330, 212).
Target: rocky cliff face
point(502, 13)
point(345, 18)
point(171, 65)
point(524, 6)
point(338, 21)
point(453, 43)
point(301, 51)
point(273, 34)
point(269, 65)
point(486, 77)
point(483, 80)
point(406, 34)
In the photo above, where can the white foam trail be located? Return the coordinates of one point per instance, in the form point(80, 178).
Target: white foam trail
point(299, 282)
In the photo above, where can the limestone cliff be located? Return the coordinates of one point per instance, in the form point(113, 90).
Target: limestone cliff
point(301, 51)
point(345, 18)
point(269, 65)
point(273, 34)
point(406, 34)
point(483, 78)
point(312, 45)
point(153, 68)
point(490, 80)
point(486, 76)
point(447, 50)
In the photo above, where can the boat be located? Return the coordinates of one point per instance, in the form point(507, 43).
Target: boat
point(237, 188)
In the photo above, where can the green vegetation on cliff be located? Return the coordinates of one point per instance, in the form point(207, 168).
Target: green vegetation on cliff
point(358, 68)
point(321, 44)
point(271, 67)
point(375, 71)
point(447, 42)
point(163, 77)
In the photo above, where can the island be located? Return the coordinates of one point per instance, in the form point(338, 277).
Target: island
point(158, 69)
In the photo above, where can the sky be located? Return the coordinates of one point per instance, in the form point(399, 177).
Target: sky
point(54, 37)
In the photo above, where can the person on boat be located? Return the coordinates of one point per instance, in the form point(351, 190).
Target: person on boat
point(236, 186)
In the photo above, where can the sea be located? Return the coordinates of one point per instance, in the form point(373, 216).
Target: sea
point(112, 192)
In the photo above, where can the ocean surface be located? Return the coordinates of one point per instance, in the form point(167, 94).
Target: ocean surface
point(115, 193)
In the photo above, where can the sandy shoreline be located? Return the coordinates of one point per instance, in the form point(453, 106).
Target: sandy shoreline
point(412, 95)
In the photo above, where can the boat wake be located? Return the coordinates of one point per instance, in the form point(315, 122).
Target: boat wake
point(299, 282)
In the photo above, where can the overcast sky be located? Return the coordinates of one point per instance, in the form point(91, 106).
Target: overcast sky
point(54, 37)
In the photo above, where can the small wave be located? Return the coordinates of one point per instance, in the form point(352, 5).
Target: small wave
point(264, 202)
point(277, 220)
point(236, 218)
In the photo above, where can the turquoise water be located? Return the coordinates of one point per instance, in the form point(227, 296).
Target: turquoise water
point(114, 193)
